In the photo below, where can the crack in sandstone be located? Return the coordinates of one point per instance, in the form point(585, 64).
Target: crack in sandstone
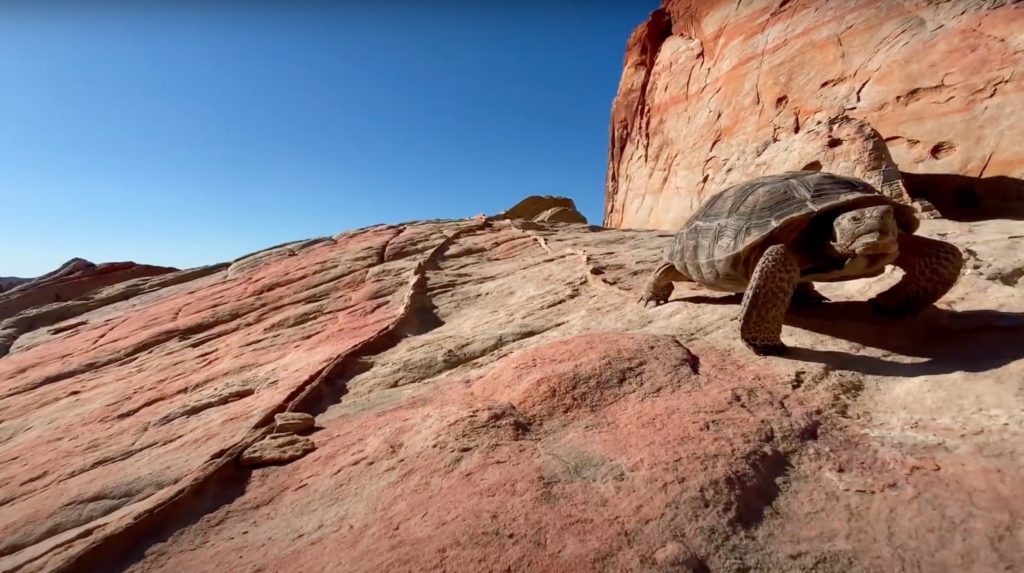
point(220, 480)
point(383, 256)
point(592, 273)
point(416, 317)
point(98, 342)
point(760, 63)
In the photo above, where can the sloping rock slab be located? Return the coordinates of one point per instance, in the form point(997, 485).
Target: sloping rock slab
point(489, 396)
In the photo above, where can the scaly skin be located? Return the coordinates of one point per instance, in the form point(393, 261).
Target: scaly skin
point(930, 267)
point(659, 286)
point(766, 300)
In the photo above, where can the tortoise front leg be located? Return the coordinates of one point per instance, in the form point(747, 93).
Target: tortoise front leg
point(766, 300)
point(930, 268)
point(659, 287)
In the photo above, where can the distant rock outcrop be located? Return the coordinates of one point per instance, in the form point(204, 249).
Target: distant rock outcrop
point(7, 283)
point(545, 208)
point(72, 280)
point(714, 92)
point(488, 396)
point(73, 288)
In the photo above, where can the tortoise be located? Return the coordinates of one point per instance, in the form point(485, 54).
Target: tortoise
point(772, 237)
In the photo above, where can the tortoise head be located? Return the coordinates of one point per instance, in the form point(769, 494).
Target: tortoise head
point(866, 231)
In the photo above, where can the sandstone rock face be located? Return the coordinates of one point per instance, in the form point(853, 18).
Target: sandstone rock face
point(33, 319)
point(489, 396)
point(714, 92)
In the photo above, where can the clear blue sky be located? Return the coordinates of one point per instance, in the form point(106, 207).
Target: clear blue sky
point(190, 135)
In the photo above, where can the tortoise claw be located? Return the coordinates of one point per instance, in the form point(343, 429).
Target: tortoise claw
point(808, 296)
point(815, 298)
point(648, 302)
point(650, 298)
point(774, 349)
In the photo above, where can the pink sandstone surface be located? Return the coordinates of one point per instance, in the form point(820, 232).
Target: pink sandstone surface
point(489, 397)
point(714, 92)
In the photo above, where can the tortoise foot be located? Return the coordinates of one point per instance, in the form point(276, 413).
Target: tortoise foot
point(768, 349)
point(659, 287)
point(655, 294)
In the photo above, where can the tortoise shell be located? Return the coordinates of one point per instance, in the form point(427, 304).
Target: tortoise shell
point(721, 243)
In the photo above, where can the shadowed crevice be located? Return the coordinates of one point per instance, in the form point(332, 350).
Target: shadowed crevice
point(963, 198)
point(118, 551)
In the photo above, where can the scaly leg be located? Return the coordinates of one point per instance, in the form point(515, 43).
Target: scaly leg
point(930, 267)
point(766, 300)
point(659, 287)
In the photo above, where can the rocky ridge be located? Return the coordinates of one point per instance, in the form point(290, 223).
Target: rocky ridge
point(7, 283)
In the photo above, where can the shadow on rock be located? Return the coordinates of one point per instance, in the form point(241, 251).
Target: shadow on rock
point(734, 298)
point(950, 341)
point(118, 550)
point(964, 198)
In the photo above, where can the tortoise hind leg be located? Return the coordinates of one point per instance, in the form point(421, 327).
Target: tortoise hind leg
point(930, 267)
point(659, 286)
point(766, 299)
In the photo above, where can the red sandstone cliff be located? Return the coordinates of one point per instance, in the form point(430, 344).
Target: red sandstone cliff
point(716, 91)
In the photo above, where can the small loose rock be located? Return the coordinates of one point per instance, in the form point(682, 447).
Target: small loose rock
point(294, 422)
point(276, 449)
point(678, 557)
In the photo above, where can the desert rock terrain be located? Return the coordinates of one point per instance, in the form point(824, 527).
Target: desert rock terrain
point(489, 396)
point(486, 394)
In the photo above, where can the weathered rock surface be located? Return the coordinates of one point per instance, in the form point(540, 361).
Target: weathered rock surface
point(489, 396)
point(714, 92)
point(38, 314)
